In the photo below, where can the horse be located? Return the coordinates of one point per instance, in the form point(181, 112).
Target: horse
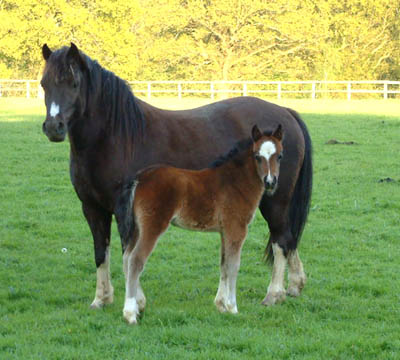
point(222, 198)
point(114, 134)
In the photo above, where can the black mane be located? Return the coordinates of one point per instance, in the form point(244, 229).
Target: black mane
point(235, 152)
point(107, 91)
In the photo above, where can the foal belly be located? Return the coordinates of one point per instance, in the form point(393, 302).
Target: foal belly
point(199, 224)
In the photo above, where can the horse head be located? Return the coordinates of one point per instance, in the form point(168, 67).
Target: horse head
point(64, 88)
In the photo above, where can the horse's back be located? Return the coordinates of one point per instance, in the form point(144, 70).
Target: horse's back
point(194, 138)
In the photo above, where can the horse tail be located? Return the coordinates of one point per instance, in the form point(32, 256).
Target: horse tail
point(301, 198)
point(124, 213)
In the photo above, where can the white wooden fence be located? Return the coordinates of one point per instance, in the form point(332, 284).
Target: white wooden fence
point(212, 89)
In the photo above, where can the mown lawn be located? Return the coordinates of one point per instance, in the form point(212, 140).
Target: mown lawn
point(349, 308)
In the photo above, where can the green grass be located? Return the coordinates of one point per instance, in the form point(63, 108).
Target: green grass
point(349, 308)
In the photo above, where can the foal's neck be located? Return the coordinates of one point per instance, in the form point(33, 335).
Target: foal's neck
point(243, 175)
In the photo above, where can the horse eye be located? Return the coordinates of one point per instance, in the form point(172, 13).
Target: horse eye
point(258, 158)
point(280, 156)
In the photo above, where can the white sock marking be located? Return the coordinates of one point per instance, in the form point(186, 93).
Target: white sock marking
point(278, 271)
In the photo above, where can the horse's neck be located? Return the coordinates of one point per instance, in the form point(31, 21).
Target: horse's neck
point(86, 133)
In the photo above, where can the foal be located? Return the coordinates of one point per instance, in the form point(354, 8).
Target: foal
point(222, 199)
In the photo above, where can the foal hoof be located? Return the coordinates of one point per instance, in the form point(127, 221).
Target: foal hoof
point(226, 307)
point(274, 298)
point(99, 303)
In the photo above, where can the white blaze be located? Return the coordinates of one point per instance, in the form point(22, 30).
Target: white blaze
point(268, 149)
point(54, 109)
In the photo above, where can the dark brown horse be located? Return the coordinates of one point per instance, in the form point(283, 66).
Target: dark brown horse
point(221, 199)
point(113, 135)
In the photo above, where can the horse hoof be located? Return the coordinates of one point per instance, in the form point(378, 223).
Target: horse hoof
point(293, 291)
point(220, 305)
point(274, 298)
point(232, 309)
point(131, 311)
point(96, 304)
point(141, 304)
point(130, 318)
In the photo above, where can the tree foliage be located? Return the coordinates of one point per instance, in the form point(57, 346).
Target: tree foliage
point(209, 40)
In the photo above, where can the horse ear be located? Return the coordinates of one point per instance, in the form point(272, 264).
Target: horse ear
point(278, 133)
point(74, 55)
point(46, 52)
point(256, 133)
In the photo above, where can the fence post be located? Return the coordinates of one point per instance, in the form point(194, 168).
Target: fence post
point(313, 91)
point(28, 86)
point(385, 90)
point(244, 89)
point(149, 90)
point(348, 91)
point(279, 90)
point(212, 90)
point(179, 90)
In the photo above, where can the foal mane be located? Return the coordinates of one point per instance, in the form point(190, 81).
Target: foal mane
point(122, 114)
point(237, 150)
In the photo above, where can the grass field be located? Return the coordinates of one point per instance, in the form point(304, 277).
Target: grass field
point(349, 308)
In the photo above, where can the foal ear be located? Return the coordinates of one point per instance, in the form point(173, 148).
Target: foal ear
point(74, 55)
point(46, 52)
point(278, 133)
point(256, 133)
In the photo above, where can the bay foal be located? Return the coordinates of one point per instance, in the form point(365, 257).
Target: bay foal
point(221, 199)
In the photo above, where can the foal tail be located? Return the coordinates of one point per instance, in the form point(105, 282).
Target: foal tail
point(124, 213)
point(301, 199)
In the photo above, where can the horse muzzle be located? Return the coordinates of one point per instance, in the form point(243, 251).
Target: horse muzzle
point(54, 129)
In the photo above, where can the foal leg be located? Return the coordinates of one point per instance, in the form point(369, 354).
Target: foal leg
point(222, 294)
point(297, 277)
point(100, 225)
point(134, 262)
point(141, 299)
point(230, 264)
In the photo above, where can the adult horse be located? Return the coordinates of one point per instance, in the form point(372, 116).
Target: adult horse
point(113, 135)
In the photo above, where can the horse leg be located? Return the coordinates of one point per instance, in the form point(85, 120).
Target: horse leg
point(100, 225)
point(232, 243)
point(281, 239)
point(276, 289)
point(297, 277)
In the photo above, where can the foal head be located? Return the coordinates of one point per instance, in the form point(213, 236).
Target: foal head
point(64, 89)
point(267, 150)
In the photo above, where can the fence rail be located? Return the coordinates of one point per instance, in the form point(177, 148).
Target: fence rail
point(301, 89)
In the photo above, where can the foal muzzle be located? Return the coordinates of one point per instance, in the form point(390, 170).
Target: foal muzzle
point(270, 184)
